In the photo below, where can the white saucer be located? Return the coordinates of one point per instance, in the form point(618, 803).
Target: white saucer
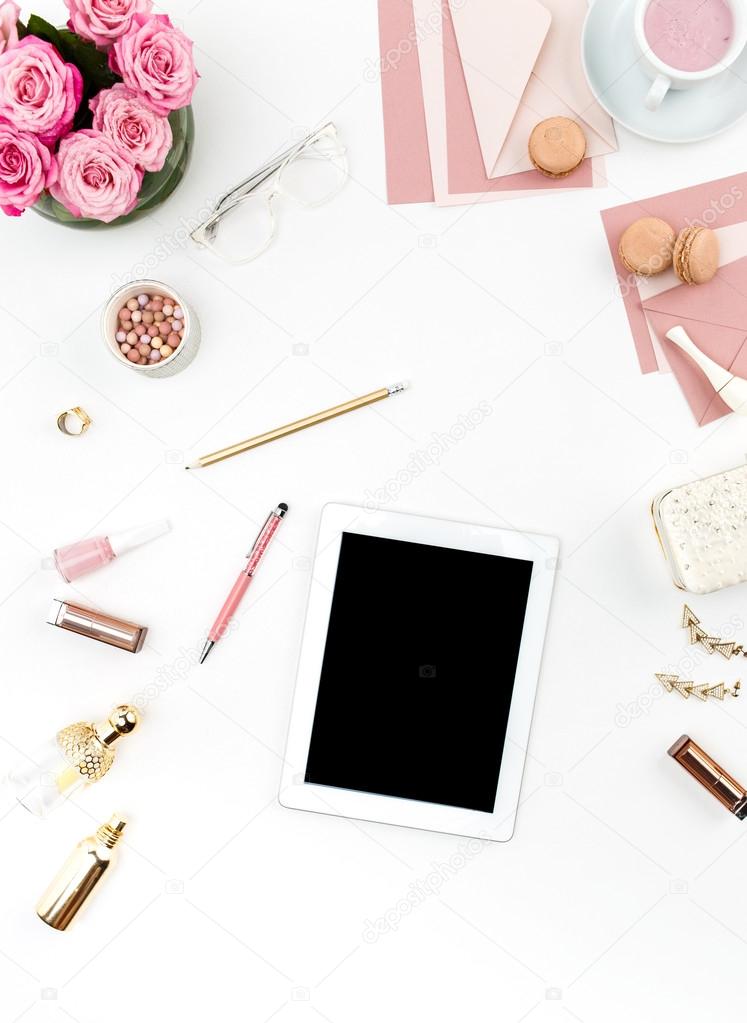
point(611, 63)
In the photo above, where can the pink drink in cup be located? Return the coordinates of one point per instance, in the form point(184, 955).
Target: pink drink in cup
point(683, 43)
point(690, 35)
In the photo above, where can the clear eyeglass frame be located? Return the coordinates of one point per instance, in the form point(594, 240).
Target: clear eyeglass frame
point(322, 144)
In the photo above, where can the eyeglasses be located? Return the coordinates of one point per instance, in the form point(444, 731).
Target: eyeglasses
point(243, 223)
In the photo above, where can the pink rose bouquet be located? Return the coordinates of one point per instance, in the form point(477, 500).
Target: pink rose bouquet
point(8, 21)
point(39, 92)
point(86, 111)
point(155, 59)
point(131, 124)
point(104, 21)
point(26, 168)
point(95, 178)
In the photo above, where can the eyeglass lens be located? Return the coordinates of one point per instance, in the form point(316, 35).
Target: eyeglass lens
point(311, 178)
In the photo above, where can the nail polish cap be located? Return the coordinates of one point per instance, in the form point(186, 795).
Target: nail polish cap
point(128, 539)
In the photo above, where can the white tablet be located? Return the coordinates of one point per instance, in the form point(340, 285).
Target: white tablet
point(418, 671)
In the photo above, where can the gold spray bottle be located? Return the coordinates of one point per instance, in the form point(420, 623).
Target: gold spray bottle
point(78, 755)
point(80, 874)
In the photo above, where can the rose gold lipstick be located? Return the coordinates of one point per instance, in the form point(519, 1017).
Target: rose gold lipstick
point(711, 775)
point(96, 625)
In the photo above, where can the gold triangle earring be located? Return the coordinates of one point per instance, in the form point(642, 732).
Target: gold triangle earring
point(711, 644)
point(673, 683)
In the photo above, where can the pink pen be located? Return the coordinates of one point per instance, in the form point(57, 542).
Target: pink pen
point(246, 575)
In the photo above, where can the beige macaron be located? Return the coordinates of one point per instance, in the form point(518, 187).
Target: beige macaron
point(696, 255)
point(647, 246)
point(557, 147)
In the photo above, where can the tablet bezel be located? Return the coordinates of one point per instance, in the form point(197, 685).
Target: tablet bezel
point(337, 519)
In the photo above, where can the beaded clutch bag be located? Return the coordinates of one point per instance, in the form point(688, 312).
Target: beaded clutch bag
point(702, 529)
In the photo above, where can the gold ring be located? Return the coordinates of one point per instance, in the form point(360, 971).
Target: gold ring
point(78, 414)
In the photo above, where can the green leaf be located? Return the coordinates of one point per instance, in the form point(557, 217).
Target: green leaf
point(39, 27)
point(21, 29)
point(92, 63)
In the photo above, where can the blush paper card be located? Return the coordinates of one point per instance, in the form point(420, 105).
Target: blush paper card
point(432, 145)
point(715, 204)
point(408, 170)
point(556, 86)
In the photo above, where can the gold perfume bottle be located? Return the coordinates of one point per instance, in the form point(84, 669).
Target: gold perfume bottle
point(79, 755)
point(80, 874)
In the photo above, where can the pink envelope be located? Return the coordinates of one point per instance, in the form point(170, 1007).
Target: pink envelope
point(555, 87)
point(431, 60)
point(499, 43)
point(466, 167)
point(715, 203)
point(715, 317)
point(408, 166)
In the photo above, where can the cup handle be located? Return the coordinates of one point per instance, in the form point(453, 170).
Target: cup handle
point(657, 92)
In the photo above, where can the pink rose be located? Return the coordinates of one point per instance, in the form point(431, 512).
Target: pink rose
point(103, 21)
point(126, 119)
point(155, 59)
point(95, 177)
point(8, 20)
point(26, 168)
point(39, 92)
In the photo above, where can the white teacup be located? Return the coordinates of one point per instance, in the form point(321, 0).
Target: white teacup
point(667, 77)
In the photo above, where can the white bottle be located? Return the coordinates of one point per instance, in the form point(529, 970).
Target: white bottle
point(731, 389)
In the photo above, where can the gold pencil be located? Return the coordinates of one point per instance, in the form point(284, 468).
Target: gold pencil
point(300, 424)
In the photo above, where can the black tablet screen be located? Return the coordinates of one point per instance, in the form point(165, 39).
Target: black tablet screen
point(418, 671)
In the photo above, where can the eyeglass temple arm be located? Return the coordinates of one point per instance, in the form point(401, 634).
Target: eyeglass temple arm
point(270, 168)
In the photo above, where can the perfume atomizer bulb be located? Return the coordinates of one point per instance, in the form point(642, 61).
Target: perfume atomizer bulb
point(79, 755)
point(80, 874)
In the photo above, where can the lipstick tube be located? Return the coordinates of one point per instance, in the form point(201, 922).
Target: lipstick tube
point(711, 775)
point(97, 625)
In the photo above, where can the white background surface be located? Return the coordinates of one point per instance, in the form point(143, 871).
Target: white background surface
point(622, 894)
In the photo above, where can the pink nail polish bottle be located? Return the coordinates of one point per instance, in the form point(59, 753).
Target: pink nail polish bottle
point(94, 552)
